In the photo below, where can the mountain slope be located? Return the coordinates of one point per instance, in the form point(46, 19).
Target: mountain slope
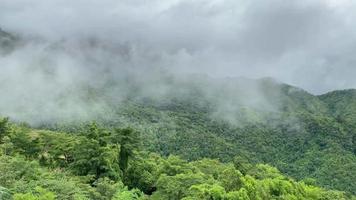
point(193, 116)
point(39, 164)
point(7, 42)
point(342, 105)
point(261, 120)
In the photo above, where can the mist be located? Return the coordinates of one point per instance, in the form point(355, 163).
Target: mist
point(68, 51)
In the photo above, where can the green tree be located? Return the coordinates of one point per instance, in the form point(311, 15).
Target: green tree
point(128, 139)
point(105, 189)
point(4, 128)
point(4, 193)
point(141, 174)
point(25, 144)
point(7, 147)
point(39, 194)
point(206, 192)
point(176, 187)
point(242, 164)
point(242, 194)
point(89, 158)
point(230, 179)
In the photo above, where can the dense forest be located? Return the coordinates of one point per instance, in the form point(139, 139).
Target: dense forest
point(178, 149)
point(98, 163)
point(173, 137)
point(304, 136)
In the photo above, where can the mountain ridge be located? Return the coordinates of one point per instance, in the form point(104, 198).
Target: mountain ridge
point(197, 116)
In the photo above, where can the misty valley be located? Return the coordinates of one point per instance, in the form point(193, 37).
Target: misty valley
point(128, 110)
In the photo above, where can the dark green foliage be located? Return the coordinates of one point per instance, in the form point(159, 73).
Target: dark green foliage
point(301, 135)
point(4, 128)
point(7, 42)
point(25, 144)
point(142, 173)
point(4, 193)
point(242, 164)
point(309, 138)
point(89, 158)
point(128, 140)
point(88, 167)
point(38, 194)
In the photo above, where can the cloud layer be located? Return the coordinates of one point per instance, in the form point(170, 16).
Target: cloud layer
point(72, 48)
point(306, 43)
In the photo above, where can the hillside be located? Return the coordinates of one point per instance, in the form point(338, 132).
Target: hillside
point(342, 106)
point(7, 42)
point(307, 137)
point(97, 163)
point(288, 128)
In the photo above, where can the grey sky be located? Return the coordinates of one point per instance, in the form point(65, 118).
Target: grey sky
point(308, 43)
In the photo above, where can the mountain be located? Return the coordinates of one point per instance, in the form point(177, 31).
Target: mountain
point(264, 121)
point(98, 163)
point(208, 122)
point(307, 137)
point(7, 42)
point(342, 106)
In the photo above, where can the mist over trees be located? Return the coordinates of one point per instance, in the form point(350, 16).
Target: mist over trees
point(177, 100)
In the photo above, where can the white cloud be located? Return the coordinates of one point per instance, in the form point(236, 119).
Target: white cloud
point(307, 43)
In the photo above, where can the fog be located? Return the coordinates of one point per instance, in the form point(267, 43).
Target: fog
point(69, 48)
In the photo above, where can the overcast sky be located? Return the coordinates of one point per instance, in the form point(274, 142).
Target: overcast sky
point(308, 43)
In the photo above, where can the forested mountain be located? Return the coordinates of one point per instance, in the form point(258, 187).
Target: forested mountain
point(301, 139)
point(341, 105)
point(98, 163)
point(191, 137)
point(7, 42)
point(299, 133)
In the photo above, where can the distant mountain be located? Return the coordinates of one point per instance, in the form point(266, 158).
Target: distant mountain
point(7, 42)
point(196, 116)
point(303, 135)
point(341, 105)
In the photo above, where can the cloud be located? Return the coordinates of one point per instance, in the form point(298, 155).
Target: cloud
point(250, 30)
point(308, 43)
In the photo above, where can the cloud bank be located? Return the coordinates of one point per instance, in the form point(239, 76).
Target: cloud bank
point(306, 43)
point(84, 44)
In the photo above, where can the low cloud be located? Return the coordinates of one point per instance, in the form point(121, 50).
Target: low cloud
point(87, 45)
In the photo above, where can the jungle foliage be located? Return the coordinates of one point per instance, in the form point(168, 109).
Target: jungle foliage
point(99, 163)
